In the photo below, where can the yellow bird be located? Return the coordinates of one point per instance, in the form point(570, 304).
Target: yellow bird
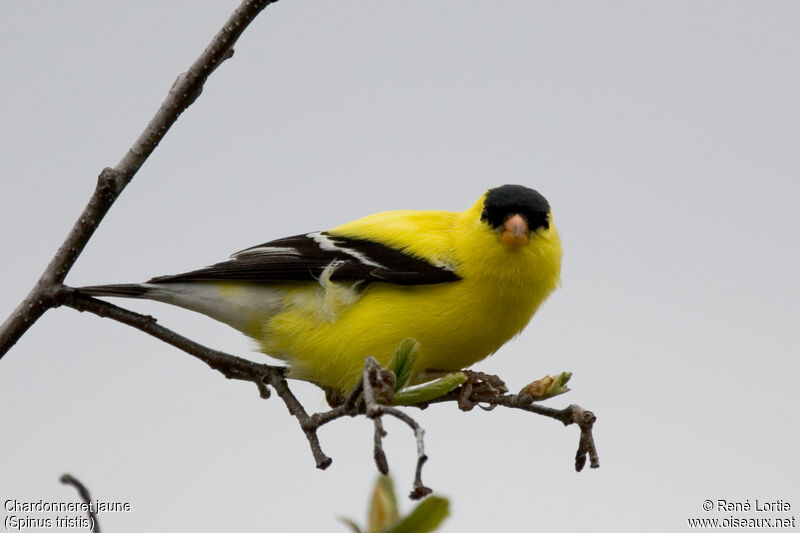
point(460, 284)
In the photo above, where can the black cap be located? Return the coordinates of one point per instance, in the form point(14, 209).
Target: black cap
point(506, 200)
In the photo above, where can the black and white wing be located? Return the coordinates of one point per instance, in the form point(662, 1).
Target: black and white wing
point(304, 257)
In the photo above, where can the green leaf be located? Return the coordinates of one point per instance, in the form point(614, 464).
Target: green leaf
point(430, 391)
point(403, 360)
point(383, 513)
point(426, 517)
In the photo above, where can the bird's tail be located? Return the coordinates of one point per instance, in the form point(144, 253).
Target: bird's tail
point(232, 305)
point(121, 290)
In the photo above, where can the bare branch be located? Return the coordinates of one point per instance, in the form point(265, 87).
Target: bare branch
point(378, 388)
point(586, 448)
point(68, 479)
point(112, 181)
point(378, 454)
point(572, 414)
point(231, 366)
point(307, 423)
point(188, 86)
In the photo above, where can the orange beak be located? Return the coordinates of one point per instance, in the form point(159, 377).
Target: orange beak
point(515, 231)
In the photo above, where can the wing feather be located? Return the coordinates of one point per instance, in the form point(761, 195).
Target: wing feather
point(304, 257)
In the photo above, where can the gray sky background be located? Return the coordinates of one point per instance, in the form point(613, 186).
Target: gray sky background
point(664, 134)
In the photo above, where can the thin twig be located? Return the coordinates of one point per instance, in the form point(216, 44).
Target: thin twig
point(230, 366)
point(308, 425)
point(378, 454)
point(586, 447)
point(376, 386)
point(68, 479)
point(572, 414)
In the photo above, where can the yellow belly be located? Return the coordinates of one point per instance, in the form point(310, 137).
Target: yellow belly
point(456, 324)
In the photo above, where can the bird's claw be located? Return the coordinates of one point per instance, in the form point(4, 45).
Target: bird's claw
point(479, 383)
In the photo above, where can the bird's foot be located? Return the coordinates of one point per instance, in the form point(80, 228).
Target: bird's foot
point(479, 383)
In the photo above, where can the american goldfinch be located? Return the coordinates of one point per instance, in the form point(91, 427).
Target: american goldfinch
point(460, 284)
